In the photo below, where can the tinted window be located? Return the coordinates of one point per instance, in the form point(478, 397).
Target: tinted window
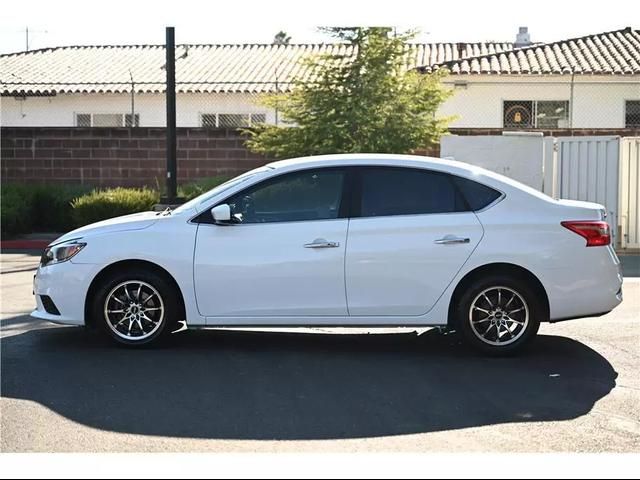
point(307, 195)
point(405, 191)
point(477, 195)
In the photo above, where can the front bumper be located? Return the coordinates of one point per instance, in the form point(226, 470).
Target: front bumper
point(66, 284)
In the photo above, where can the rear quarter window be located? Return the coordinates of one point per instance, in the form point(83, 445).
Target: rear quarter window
point(477, 195)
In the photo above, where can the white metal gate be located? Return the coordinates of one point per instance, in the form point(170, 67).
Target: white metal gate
point(602, 169)
point(630, 192)
point(588, 171)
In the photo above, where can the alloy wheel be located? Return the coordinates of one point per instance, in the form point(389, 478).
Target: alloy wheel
point(499, 316)
point(134, 310)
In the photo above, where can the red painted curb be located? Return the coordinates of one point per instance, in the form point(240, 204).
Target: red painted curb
point(24, 244)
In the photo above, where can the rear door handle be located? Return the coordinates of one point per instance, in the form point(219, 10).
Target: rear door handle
point(451, 240)
point(321, 243)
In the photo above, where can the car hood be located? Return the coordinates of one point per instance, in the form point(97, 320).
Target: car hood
point(136, 221)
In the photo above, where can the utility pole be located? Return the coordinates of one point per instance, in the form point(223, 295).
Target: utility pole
point(571, 99)
point(27, 33)
point(133, 101)
point(171, 116)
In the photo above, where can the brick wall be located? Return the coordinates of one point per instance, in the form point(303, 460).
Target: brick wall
point(119, 156)
point(136, 157)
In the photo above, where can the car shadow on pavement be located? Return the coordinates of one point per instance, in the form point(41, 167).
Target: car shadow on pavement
point(249, 385)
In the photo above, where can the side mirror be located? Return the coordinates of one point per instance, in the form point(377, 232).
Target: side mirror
point(221, 214)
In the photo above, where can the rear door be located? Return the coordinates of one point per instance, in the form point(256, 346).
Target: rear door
point(410, 234)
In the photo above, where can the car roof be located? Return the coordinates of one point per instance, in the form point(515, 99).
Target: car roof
point(463, 169)
point(348, 159)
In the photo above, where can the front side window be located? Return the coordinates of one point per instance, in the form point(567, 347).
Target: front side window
point(407, 191)
point(632, 114)
point(300, 196)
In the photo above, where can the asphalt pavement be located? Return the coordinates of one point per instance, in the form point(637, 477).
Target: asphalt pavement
point(66, 389)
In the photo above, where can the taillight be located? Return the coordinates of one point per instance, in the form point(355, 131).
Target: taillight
point(596, 233)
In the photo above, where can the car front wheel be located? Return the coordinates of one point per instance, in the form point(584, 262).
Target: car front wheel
point(499, 315)
point(136, 307)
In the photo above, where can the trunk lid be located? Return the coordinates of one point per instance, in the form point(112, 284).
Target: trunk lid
point(580, 210)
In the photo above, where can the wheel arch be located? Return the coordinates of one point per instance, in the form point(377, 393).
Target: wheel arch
point(124, 265)
point(499, 268)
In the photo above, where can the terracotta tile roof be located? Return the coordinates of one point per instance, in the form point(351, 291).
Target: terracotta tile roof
point(201, 68)
point(615, 52)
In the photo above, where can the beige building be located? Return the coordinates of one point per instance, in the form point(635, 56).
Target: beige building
point(591, 82)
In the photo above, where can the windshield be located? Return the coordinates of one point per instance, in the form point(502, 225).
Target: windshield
point(193, 203)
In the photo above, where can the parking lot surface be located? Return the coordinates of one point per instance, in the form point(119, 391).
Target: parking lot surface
point(66, 389)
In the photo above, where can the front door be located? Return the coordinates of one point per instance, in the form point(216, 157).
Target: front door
point(284, 258)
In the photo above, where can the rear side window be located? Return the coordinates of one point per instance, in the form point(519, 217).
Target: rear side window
point(407, 191)
point(478, 196)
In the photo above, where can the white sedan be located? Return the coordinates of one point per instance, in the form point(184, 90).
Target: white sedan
point(343, 241)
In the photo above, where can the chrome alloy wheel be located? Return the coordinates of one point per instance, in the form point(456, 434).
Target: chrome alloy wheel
point(499, 316)
point(134, 310)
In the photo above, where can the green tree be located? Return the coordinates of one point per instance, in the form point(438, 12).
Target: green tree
point(365, 101)
point(281, 38)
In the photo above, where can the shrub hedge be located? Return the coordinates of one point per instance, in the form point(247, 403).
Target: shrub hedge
point(192, 190)
point(115, 202)
point(53, 208)
point(37, 208)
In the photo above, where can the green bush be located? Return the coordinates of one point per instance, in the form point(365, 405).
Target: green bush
point(37, 208)
point(103, 204)
point(15, 210)
point(192, 190)
point(53, 208)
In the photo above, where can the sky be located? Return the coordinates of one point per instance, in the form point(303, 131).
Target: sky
point(116, 22)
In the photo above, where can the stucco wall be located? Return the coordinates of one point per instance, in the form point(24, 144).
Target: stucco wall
point(60, 110)
point(599, 102)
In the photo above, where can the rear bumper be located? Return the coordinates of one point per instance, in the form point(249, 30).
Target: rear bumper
point(595, 315)
point(589, 288)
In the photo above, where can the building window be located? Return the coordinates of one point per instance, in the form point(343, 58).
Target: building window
point(536, 114)
point(632, 114)
point(107, 120)
point(231, 120)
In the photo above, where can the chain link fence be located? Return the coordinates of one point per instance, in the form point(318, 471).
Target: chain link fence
point(205, 105)
point(512, 104)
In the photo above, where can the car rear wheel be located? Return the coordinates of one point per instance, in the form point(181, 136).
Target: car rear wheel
point(498, 315)
point(136, 307)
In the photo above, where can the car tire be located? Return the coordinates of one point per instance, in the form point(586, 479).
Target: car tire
point(136, 307)
point(498, 315)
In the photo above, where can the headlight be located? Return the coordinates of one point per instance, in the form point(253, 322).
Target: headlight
point(61, 252)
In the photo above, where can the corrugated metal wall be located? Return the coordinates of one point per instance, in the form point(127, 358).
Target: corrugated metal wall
point(600, 169)
point(630, 192)
point(588, 171)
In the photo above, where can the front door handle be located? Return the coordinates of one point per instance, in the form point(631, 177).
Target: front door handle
point(451, 240)
point(321, 243)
